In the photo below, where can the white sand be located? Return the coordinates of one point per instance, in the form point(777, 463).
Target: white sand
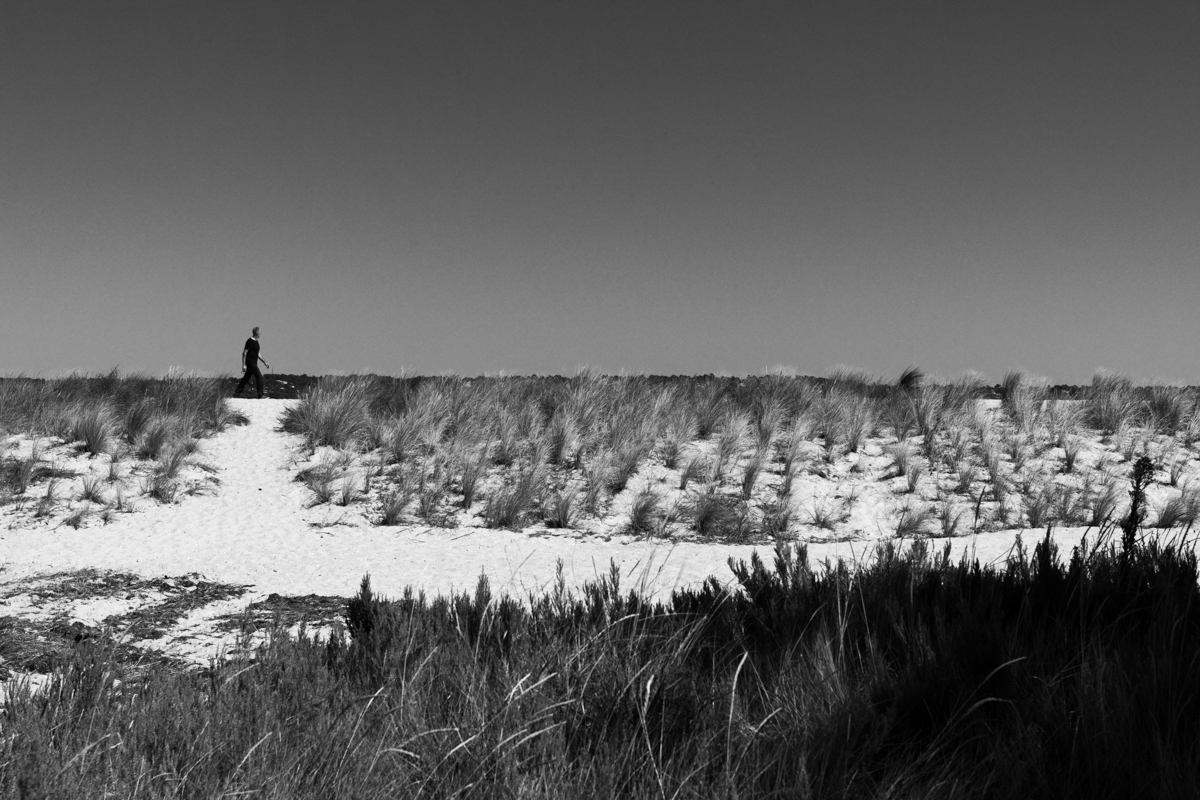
point(258, 529)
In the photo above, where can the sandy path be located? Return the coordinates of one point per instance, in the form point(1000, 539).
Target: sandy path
point(258, 530)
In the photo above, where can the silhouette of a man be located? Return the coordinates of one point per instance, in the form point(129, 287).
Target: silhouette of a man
point(250, 359)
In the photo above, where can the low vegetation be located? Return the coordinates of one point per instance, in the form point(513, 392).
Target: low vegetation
point(62, 436)
point(756, 458)
point(912, 676)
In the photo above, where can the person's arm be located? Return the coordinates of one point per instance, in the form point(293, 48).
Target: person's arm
point(260, 358)
point(243, 359)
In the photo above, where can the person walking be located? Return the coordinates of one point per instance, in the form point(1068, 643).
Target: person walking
point(250, 359)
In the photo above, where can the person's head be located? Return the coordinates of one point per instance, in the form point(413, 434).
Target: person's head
point(255, 332)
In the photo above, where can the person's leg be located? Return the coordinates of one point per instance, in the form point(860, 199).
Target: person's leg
point(242, 383)
point(258, 381)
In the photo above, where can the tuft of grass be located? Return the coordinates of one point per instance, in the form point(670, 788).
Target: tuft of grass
point(346, 492)
point(1177, 468)
point(1110, 402)
point(93, 428)
point(730, 442)
point(964, 470)
point(511, 506)
point(622, 466)
point(1102, 502)
point(472, 470)
point(393, 502)
point(559, 508)
point(750, 475)
point(912, 519)
point(49, 501)
point(713, 515)
point(334, 412)
point(91, 490)
point(161, 488)
point(912, 477)
point(949, 517)
point(153, 440)
point(1039, 504)
point(827, 512)
point(319, 479)
point(645, 512)
point(1067, 505)
point(696, 468)
point(901, 454)
point(1072, 445)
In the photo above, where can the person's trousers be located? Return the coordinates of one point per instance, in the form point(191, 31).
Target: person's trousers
point(258, 383)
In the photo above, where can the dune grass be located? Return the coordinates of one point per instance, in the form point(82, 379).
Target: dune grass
point(742, 437)
point(155, 421)
point(913, 676)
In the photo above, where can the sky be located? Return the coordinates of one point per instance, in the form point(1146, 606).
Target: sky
point(669, 188)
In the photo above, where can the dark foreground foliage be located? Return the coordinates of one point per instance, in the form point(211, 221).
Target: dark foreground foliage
point(913, 677)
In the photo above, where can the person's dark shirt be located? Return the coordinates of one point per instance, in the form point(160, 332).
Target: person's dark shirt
point(251, 352)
